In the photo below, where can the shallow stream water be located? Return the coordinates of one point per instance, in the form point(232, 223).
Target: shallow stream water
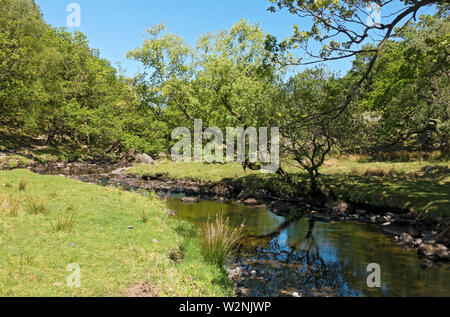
point(309, 258)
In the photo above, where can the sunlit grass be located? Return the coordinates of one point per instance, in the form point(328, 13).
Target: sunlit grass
point(34, 256)
point(193, 170)
point(356, 179)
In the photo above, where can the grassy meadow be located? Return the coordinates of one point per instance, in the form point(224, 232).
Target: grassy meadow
point(119, 239)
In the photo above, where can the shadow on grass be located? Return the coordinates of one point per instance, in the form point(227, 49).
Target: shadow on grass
point(430, 195)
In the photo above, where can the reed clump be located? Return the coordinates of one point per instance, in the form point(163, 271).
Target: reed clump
point(220, 239)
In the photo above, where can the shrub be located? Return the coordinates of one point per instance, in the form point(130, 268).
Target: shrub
point(220, 239)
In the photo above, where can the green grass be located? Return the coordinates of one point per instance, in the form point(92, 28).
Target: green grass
point(356, 168)
point(400, 184)
point(404, 184)
point(13, 161)
point(34, 256)
point(193, 170)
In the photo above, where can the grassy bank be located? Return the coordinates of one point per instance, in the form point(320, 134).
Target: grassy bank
point(421, 186)
point(49, 222)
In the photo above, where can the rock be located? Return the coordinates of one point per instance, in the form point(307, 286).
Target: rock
point(442, 252)
point(340, 208)
point(418, 242)
point(118, 171)
point(425, 250)
point(145, 159)
point(361, 211)
point(295, 294)
point(250, 202)
point(438, 252)
point(190, 199)
point(406, 239)
point(443, 237)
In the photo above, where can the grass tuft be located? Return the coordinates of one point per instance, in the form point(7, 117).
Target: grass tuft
point(144, 216)
point(65, 222)
point(220, 240)
point(9, 205)
point(22, 185)
point(36, 207)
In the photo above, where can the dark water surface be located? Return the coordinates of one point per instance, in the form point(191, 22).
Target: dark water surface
point(317, 259)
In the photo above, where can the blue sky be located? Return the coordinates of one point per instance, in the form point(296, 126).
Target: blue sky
point(116, 26)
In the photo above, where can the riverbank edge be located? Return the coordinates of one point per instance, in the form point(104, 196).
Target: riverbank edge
point(429, 237)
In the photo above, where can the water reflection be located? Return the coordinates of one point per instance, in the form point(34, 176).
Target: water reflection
point(298, 255)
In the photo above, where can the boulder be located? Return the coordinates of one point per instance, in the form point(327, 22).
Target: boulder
point(340, 208)
point(250, 202)
point(438, 252)
point(406, 239)
point(361, 211)
point(443, 237)
point(425, 250)
point(190, 199)
point(321, 217)
point(145, 159)
point(442, 252)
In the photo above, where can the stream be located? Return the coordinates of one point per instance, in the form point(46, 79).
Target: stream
point(297, 256)
point(310, 258)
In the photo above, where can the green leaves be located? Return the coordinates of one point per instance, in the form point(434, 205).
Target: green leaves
point(226, 80)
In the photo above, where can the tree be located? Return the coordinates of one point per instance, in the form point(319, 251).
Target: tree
point(342, 29)
point(21, 31)
point(227, 80)
point(306, 93)
point(406, 96)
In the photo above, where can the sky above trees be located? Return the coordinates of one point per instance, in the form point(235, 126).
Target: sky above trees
point(116, 26)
